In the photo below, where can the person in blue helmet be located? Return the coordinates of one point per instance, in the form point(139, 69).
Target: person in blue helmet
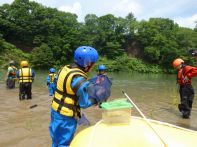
point(100, 87)
point(102, 70)
point(51, 81)
point(101, 74)
point(71, 95)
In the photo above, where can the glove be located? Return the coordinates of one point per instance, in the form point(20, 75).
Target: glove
point(47, 83)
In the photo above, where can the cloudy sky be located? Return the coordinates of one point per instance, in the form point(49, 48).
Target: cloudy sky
point(184, 12)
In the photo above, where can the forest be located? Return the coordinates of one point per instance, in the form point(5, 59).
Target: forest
point(47, 37)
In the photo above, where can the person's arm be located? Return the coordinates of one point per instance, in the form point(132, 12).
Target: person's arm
point(192, 72)
point(17, 74)
point(33, 73)
point(81, 92)
point(92, 80)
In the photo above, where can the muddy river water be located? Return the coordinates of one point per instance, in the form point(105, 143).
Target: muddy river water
point(155, 95)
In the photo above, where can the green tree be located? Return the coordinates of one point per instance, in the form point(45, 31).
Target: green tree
point(108, 25)
point(158, 37)
point(42, 57)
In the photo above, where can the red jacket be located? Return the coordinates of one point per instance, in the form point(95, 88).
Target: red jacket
point(185, 74)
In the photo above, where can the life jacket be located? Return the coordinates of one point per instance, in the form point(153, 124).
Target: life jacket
point(52, 77)
point(182, 73)
point(25, 75)
point(65, 100)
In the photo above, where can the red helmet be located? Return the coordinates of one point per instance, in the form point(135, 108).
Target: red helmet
point(177, 62)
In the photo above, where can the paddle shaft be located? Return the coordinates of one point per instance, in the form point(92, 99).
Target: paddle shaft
point(147, 121)
point(33, 106)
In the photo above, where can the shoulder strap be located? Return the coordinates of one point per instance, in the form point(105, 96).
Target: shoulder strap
point(79, 83)
point(64, 85)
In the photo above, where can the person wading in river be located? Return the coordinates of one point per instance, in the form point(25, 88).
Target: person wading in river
point(100, 87)
point(184, 79)
point(51, 81)
point(11, 75)
point(71, 95)
point(26, 76)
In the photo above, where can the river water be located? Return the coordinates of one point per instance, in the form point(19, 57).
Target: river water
point(155, 95)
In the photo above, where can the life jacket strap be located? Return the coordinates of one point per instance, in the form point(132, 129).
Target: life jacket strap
point(66, 94)
point(79, 83)
point(70, 106)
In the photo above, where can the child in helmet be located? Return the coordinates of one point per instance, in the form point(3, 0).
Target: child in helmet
point(100, 87)
point(51, 81)
point(101, 73)
point(184, 79)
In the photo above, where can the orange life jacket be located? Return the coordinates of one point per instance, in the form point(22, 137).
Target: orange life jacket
point(182, 73)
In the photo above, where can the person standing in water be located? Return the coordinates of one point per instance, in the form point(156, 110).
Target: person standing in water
point(184, 79)
point(26, 76)
point(71, 95)
point(100, 87)
point(51, 81)
point(101, 73)
point(11, 75)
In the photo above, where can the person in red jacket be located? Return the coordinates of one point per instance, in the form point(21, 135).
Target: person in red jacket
point(184, 79)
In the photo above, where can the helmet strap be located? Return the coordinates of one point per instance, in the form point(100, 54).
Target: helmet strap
point(101, 72)
point(89, 67)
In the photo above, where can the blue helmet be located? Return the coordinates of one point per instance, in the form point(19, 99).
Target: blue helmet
point(52, 70)
point(101, 67)
point(85, 55)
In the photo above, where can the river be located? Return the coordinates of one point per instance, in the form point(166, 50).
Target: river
point(155, 95)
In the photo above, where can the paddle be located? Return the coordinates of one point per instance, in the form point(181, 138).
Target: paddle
point(35, 105)
point(146, 120)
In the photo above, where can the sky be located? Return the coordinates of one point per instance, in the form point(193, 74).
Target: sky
point(183, 12)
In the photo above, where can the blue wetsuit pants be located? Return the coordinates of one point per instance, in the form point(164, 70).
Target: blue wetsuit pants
point(62, 129)
point(51, 88)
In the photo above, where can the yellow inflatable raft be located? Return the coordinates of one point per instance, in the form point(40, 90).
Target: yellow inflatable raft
point(135, 134)
point(119, 129)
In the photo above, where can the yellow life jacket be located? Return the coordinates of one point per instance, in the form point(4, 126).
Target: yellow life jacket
point(65, 99)
point(52, 77)
point(25, 75)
